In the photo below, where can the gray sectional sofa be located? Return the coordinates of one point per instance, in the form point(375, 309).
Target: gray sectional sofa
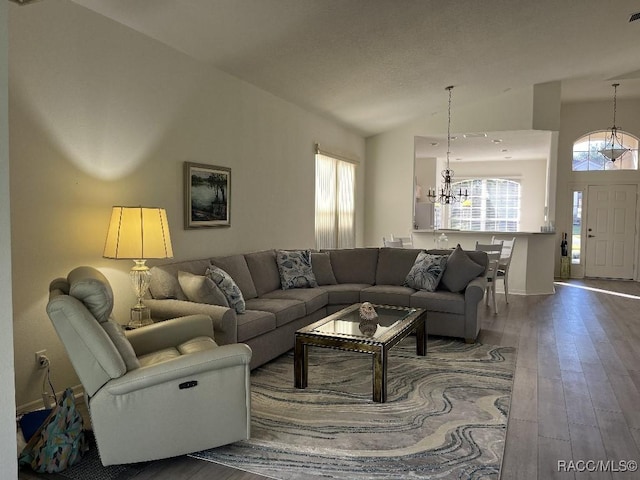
point(344, 277)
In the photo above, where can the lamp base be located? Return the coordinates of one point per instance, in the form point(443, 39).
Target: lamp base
point(140, 317)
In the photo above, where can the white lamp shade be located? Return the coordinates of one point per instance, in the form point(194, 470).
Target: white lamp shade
point(138, 233)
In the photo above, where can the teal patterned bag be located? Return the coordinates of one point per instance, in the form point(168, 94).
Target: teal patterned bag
point(60, 441)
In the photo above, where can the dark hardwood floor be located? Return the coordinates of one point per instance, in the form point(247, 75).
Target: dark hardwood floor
point(576, 389)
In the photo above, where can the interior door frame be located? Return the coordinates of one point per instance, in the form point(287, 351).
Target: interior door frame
point(578, 270)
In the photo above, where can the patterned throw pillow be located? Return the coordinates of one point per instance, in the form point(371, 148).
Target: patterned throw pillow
point(225, 283)
point(426, 272)
point(295, 269)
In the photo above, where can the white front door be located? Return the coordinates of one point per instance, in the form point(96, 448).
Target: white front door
point(611, 230)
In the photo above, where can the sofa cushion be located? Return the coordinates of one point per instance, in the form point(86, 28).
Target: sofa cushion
point(322, 269)
point(295, 269)
point(439, 301)
point(164, 285)
point(264, 271)
point(201, 289)
point(426, 272)
point(236, 267)
point(313, 298)
point(481, 258)
point(394, 264)
point(344, 293)
point(355, 265)
point(164, 278)
point(285, 310)
point(252, 323)
point(460, 270)
point(228, 287)
point(387, 295)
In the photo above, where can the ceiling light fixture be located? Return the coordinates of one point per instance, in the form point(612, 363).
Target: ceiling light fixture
point(475, 135)
point(613, 148)
point(24, 2)
point(446, 194)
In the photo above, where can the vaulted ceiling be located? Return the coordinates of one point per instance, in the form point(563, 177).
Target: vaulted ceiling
point(373, 64)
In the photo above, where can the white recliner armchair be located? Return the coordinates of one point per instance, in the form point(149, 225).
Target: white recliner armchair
point(155, 392)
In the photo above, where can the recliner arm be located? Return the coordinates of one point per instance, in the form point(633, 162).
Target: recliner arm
point(169, 333)
point(180, 368)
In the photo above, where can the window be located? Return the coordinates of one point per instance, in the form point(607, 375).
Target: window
point(576, 227)
point(335, 202)
point(493, 204)
point(587, 158)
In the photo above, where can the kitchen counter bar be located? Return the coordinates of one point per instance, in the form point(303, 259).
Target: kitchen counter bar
point(532, 264)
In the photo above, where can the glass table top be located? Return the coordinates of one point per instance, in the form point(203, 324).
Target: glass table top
point(349, 323)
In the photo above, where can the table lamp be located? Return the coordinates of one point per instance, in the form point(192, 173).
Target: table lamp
point(138, 233)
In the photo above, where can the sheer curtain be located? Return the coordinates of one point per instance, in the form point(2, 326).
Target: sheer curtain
point(335, 202)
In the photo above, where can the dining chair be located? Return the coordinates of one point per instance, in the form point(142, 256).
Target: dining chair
point(505, 262)
point(407, 242)
point(391, 243)
point(493, 251)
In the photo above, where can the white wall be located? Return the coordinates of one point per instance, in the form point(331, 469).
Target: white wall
point(578, 119)
point(101, 115)
point(8, 449)
point(390, 155)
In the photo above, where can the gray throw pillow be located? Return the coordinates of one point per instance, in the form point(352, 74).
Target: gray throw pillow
point(295, 269)
point(322, 269)
point(201, 289)
point(229, 288)
point(460, 271)
point(426, 272)
point(163, 284)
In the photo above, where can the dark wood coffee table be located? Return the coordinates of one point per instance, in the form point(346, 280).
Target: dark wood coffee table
point(344, 330)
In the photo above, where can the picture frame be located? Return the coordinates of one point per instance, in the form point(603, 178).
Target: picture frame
point(207, 195)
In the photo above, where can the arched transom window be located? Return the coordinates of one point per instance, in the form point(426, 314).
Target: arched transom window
point(587, 156)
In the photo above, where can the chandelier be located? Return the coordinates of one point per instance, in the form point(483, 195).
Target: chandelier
point(613, 148)
point(446, 195)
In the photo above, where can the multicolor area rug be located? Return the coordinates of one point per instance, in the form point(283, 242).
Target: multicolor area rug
point(445, 416)
point(91, 468)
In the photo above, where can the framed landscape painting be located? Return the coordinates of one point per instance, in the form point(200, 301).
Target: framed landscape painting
point(207, 191)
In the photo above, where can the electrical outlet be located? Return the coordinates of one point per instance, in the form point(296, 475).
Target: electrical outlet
point(42, 361)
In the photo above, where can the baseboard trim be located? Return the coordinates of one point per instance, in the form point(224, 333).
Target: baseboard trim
point(78, 393)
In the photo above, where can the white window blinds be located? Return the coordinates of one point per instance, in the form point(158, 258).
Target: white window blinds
point(493, 204)
point(335, 202)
